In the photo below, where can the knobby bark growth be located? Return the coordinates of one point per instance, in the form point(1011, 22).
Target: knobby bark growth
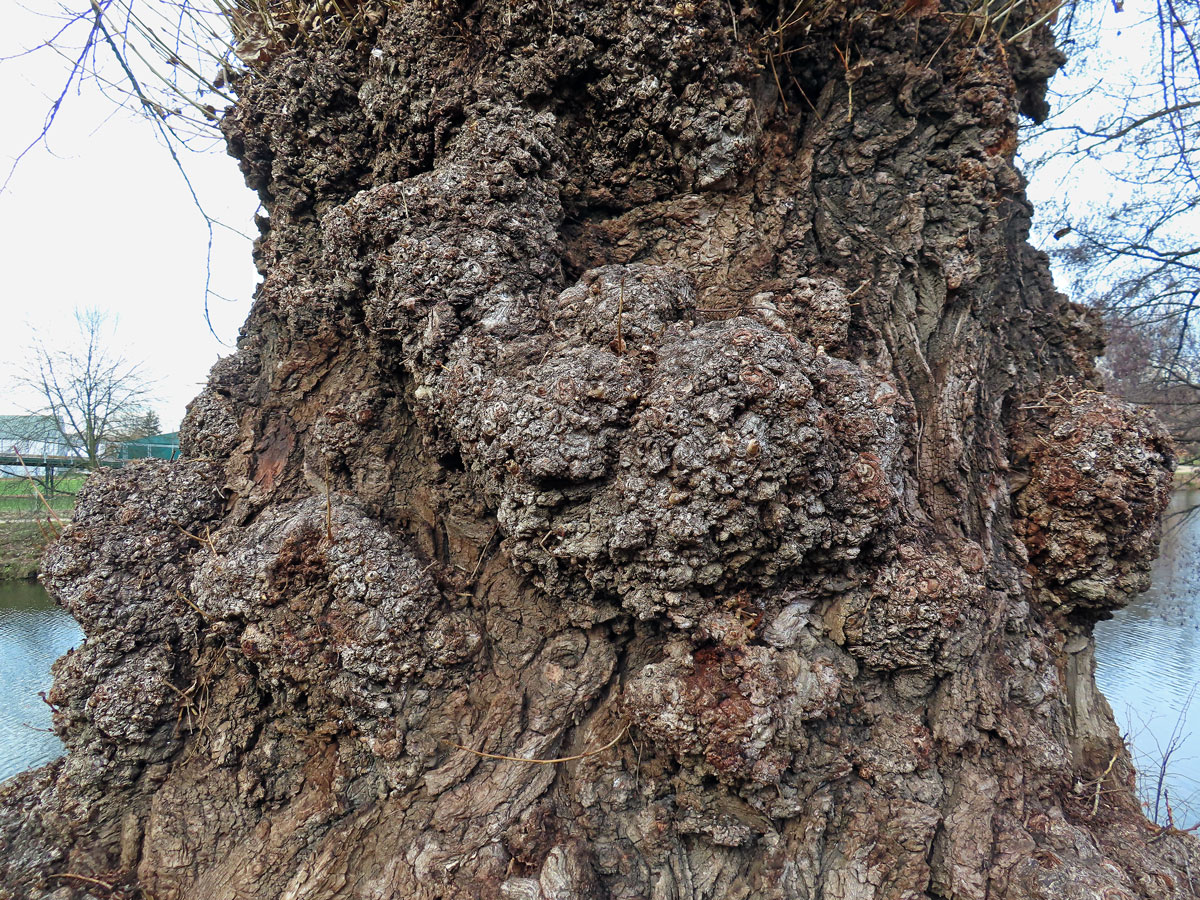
point(671, 381)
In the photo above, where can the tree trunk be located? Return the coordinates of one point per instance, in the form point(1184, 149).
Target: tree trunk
point(655, 466)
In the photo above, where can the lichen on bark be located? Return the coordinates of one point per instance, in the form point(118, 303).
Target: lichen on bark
point(663, 389)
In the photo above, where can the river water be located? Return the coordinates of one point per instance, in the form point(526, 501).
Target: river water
point(1147, 664)
point(33, 633)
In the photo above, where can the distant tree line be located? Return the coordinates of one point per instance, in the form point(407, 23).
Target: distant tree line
point(1135, 253)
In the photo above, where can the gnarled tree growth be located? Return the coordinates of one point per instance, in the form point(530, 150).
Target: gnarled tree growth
point(662, 389)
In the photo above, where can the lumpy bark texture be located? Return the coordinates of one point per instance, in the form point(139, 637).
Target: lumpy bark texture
point(655, 466)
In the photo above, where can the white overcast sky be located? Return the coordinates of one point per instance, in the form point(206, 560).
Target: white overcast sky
point(101, 217)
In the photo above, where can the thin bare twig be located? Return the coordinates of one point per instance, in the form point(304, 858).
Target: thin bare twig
point(33, 484)
point(483, 554)
point(560, 759)
point(86, 879)
point(1100, 783)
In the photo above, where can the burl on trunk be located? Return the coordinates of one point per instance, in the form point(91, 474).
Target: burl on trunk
point(655, 466)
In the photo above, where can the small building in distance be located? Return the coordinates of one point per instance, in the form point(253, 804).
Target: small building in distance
point(156, 446)
point(32, 437)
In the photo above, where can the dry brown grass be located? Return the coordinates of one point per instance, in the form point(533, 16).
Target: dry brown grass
point(262, 29)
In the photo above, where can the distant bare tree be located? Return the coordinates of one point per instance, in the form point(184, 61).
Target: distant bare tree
point(1146, 364)
point(93, 394)
point(1134, 254)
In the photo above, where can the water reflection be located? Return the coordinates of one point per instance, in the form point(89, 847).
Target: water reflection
point(33, 633)
point(1148, 665)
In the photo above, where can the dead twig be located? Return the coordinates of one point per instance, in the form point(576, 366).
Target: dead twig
point(86, 879)
point(483, 553)
point(328, 509)
point(33, 484)
point(48, 534)
point(618, 345)
point(1100, 783)
point(195, 608)
point(207, 540)
point(778, 85)
point(1172, 830)
point(544, 762)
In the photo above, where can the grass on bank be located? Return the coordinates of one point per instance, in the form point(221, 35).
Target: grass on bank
point(19, 496)
point(21, 546)
point(27, 525)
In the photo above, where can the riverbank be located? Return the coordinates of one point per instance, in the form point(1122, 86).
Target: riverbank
point(24, 511)
point(21, 546)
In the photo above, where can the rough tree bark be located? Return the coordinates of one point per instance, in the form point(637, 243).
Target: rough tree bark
point(663, 386)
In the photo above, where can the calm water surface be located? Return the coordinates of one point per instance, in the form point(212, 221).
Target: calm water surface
point(33, 633)
point(1148, 665)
